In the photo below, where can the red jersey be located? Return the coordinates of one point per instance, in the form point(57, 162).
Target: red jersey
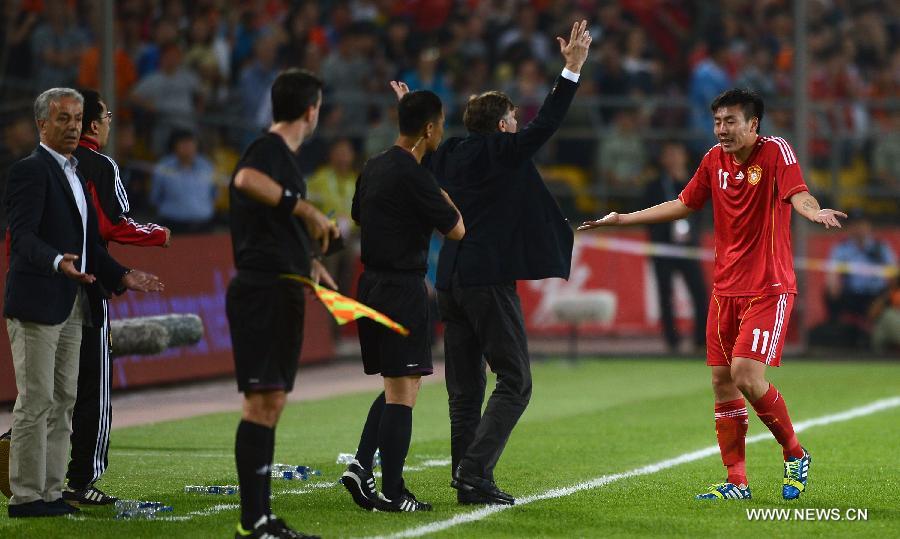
point(751, 216)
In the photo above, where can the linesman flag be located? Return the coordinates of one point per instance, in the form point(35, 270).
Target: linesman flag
point(345, 309)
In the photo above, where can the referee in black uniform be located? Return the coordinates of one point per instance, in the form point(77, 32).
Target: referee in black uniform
point(274, 231)
point(397, 205)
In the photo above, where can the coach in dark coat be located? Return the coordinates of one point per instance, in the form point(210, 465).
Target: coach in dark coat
point(56, 260)
point(515, 230)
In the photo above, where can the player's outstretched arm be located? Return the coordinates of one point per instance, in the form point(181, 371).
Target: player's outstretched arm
point(807, 206)
point(661, 213)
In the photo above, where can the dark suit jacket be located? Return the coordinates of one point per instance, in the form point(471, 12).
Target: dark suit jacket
point(44, 222)
point(514, 227)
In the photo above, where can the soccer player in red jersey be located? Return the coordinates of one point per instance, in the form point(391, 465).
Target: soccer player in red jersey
point(753, 182)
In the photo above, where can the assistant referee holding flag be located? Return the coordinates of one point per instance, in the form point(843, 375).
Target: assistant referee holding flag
point(273, 232)
point(398, 204)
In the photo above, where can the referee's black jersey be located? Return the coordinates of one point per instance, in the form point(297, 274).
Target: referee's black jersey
point(397, 205)
point(263, 239)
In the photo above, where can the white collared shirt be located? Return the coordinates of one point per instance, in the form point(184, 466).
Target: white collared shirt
point(68, 167)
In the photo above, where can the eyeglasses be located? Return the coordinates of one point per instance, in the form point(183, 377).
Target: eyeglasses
point(106, 115)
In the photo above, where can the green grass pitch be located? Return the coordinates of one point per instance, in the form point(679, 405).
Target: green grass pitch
point(586, 420)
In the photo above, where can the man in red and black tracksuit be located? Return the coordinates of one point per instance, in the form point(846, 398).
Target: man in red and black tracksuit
point(92, 417)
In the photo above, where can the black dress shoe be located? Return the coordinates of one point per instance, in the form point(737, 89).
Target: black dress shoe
point(481, 487)
point(37, 508)
point(468, 497)
point(62, 507)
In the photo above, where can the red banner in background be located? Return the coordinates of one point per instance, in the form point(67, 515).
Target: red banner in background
point(196, 270)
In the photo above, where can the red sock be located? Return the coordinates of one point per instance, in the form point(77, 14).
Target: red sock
point(731, 432)
point(772, 410)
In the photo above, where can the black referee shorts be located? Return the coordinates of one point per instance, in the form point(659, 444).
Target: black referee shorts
point(404, 298)
point(266, 323)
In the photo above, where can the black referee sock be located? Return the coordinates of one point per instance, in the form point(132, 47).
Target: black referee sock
point(368, 442)
point(394, 434)
point(252, 455)
point(267, 494)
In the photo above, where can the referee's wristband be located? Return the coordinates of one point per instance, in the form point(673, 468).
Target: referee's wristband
point(288, 202)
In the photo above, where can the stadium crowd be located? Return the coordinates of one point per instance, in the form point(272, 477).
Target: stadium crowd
point(206, 65)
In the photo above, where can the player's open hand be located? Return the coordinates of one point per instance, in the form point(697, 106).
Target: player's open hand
point(400, 89)
point(142, 281)
point(610, 219)
point(67, 267)
point(576, 50)
point(829, 217)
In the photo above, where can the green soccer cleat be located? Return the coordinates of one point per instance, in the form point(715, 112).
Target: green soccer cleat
point(796, 474)
point(726, 491)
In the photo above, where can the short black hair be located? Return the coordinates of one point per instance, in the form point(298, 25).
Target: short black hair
point(416, 109)
point(293, 92)
point(92, 108)
point(483, 112)
point(178, 135)
point(749, 101)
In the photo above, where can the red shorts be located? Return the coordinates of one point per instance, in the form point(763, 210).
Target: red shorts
point(743, 326)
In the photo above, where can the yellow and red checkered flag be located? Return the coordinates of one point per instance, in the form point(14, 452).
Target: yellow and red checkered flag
point(345, 309)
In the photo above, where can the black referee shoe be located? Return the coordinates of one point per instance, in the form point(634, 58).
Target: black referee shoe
point(476, 486)
point(405, 502)
point(360, 483)
point(4, 463)
point(88, 496)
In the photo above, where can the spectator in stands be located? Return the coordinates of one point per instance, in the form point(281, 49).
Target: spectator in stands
point(331, 189)
point(428, 75)
point(57, 45)
point(125, 71)
point(16, 27)
point(150, 55)
point(623, 153)
point(345, 73)
point(708, 80)
point(525, 40)
point(886, 152)
point(256, 80)
point(850, 294)
point(19, 139)
point(885, 317)
point(183, 189)
point(169, 98)
point(528, 89)
point(671, 180)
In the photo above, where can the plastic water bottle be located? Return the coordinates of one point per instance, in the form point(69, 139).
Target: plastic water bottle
point(225, 490)
point(140, 509)
point(290, 471)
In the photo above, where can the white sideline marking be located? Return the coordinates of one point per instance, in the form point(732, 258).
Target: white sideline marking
point(472, 516)
point(202, 512)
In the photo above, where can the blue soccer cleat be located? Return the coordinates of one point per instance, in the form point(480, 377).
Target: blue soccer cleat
point(796, 474)
point(726, 491)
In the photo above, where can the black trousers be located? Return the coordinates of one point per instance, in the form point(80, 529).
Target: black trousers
point(483, 323)
point(92, 416)
point(665, 269)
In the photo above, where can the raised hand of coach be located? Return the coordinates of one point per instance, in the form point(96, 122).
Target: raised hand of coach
point(576, 50)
